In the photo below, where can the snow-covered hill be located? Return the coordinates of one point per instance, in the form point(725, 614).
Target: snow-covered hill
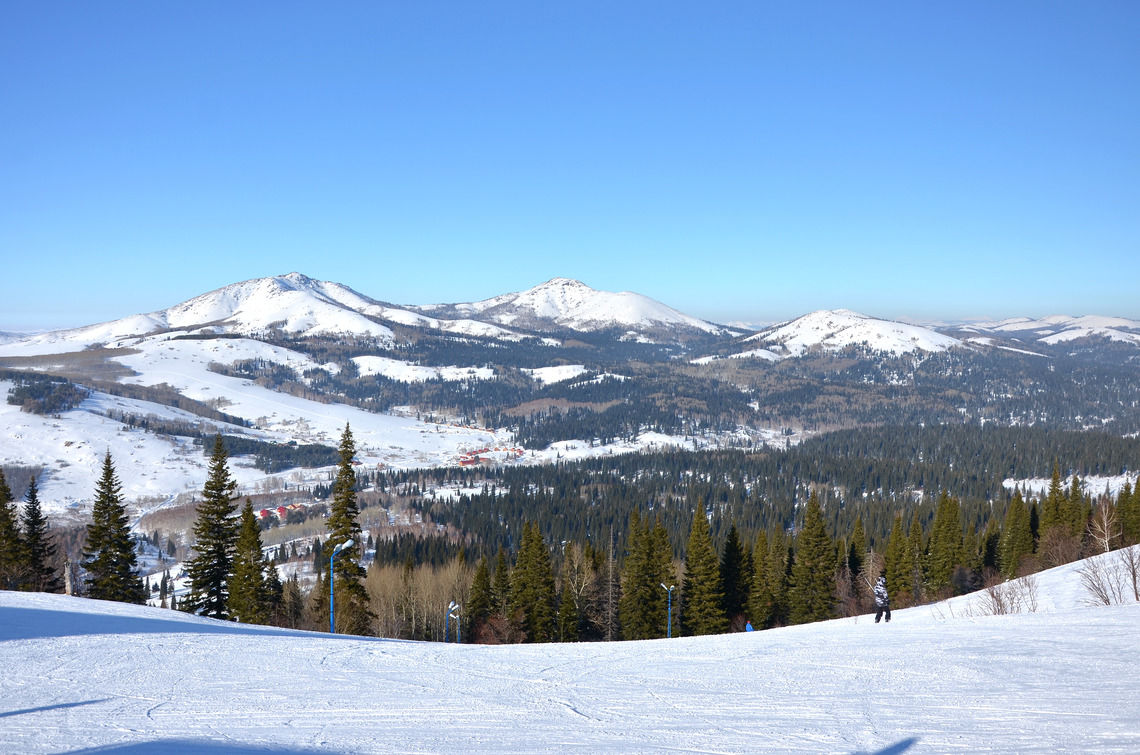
point(565, 304)
point(1058, 329)
point(70, 446)
point(838, 329)
point(91, 676)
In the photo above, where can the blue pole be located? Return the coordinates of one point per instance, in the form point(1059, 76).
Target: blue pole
point(669, 628)
point(332, 602)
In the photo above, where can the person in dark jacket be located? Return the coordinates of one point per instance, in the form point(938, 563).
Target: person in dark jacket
point(882, 598)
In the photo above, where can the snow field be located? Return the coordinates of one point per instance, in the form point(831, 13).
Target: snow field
point(89, 674)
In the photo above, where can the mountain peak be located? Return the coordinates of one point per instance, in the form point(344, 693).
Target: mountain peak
point(837, 329)
point(562, 283)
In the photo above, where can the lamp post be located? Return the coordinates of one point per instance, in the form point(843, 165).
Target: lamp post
point(669, 592)
point(332, 584)
point(452, 613)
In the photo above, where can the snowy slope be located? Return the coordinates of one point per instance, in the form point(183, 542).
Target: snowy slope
point(1057, 329)
point(92, 676)
point(71, 447)
point(294, 303)
point(562, 303)
point(835, 330)
point(405, 372)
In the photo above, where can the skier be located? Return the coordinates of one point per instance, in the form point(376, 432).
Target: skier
point(882, 599)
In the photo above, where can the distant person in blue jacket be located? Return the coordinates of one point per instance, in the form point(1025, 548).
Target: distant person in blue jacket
point(882, 598)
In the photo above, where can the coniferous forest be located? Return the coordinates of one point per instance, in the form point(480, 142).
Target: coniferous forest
point(631, 546)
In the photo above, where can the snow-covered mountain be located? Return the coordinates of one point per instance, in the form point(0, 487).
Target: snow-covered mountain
point(301, 306)
point(838, 329)
point(1057, 329)
point(94, 676)
point(565, 304)
point(293, 303)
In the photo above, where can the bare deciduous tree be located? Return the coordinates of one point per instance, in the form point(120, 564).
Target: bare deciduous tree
point(1104, 527)
point(1104, 582)
point(1011, 596)
point(1129, 559)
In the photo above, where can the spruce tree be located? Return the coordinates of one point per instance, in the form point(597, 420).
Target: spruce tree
point(501, 587)
point(701, 593)
point(733, 579)
point(274, 593)
point(1076, 509)
point(532, 601)
point(109, 555)
point(811, 595)
point(480, 600)
point(897, 563)
point(1128, 507)
point(215, 540)
point(1016, 539)
point(249, 597)
point(292, 603)
point(857, 549)
point(569, 618)
point(353, 613)
point(759, 594)
point(946, 546)
point(39, 550)
point(1051, 515)
point(642, 608)
point(11, 540)
point(916, 554)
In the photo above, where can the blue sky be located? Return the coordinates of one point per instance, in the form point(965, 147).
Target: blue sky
point(746, 161)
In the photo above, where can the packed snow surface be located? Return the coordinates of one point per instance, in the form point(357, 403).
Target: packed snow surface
point(90, 676)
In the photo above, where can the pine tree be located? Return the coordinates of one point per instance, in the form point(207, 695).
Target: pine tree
point(812, 590)
point(916, 554)
point(733, 579)
point(1076, 509)
point(642, 606)
point(480, 600)
point(11, 540)
point(501, 588)
point(532, 601)
point(274, 593)
point(857, 549)
point(1128, 507)
point(945, 548)
point(109, 556)
point(568, 617)
point(759, 594)
point(1016, 539)
point(249, 597)
point(1051, 515)
point(292, 603)
point(701, 593)
point(353, 614)
point(39, 550)
point(897, 563)
point(215, 540)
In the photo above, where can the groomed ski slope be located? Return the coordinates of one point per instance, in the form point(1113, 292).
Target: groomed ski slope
point(89, 676)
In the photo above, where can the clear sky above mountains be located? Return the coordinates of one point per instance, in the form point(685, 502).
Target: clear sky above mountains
point(750, 161)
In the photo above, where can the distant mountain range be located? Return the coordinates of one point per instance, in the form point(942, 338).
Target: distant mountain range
point(300, 306)
point(559, 369)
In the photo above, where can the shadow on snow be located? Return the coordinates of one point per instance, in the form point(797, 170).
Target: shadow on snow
point(42, 623)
